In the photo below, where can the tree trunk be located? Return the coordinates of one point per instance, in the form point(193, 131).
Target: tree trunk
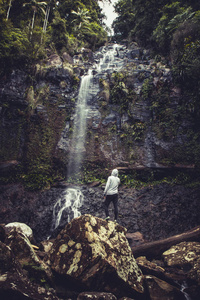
point(44, 29)
point(32, 25)
point(155, 249)
point(8, 12)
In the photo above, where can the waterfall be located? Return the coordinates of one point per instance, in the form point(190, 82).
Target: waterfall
point(78, 140)
point(107, 60)
point(68, 204)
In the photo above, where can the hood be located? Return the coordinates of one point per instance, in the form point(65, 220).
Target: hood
point(114, 172)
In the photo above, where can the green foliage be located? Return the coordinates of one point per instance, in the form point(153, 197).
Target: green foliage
point(120, 92)
point(152, 23)
point(59, 35)
point(151, 178)
point(40, 169)
point(173, 15)
point(137, 19)
point(124, 23)
point(37, 274)
point(133, 132)
point(96, 36)
point(10, 137)
point(147, 88)
point(185, 53)
point(28, 29)
point(13, 46)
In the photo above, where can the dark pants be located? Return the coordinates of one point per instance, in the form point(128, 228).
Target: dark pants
point(114, 200)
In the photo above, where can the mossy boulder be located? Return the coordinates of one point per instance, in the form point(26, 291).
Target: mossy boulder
point(185, 256)
point(96, 255)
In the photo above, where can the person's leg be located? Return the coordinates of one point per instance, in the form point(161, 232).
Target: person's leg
point(106, 205)
point(115, 203)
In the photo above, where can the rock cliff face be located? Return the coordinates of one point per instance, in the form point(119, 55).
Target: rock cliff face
point(157, 211)
point(135, 119)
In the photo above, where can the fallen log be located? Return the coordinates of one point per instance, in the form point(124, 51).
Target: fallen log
point(155, 249)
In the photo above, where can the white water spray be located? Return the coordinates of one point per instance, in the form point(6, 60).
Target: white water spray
point(69, 204)
point(184, 286)
point(77, 148)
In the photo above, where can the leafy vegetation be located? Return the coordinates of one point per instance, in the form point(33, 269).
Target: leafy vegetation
point(170, 29)
point(29, 28)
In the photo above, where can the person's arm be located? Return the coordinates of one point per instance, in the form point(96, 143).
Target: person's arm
point(107, 186)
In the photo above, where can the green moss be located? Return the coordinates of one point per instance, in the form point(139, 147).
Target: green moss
point(40, 169)
point(11, 134)
point(37, 274)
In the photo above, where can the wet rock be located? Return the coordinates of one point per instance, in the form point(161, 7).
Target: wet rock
point(135, 239)
point(21, 247)
point(97, 296)
point(67, 58)
point(2, 233)
point(25, 254)
point(186, 256)
point(14, 284)
point(6, 258)
point(13, 88)
point(111, 118)
point(46, 246)
point(159, 289)
point(149, 267)
point(54, 60)
point(96, 254)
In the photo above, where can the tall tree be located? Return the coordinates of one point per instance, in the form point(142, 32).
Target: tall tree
point(81, 19)
point(8, 11)
point(35, 5)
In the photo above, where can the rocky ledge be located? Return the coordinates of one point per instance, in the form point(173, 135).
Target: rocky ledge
point(92, 259)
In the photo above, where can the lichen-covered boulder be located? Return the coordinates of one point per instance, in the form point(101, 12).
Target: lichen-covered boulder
point(186, 256)
point(96, 254)
point(149, 267)
point(20, 227)
point(14, 284)
point(21, 246)
point(25, 254)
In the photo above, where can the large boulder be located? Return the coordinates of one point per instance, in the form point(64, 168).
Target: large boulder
point(21, 247)
point(159, 289)
point(185, 256)
point(14, 284)
point(26, 256)
point(20, 227)
point(95, 254)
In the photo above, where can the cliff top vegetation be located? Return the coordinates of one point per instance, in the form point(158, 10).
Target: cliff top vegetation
point(30, 29)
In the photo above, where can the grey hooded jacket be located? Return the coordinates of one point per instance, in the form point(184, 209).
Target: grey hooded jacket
point(112, 183)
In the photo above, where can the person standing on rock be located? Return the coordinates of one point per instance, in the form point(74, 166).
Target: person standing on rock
point(111, 193)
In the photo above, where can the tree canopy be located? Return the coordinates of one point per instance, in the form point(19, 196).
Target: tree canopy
point(28, 27)
point(171, 29)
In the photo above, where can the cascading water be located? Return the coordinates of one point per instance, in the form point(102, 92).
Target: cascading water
point(77, 146)
point(68, 204)
point(107, 60)
point(184, 286)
